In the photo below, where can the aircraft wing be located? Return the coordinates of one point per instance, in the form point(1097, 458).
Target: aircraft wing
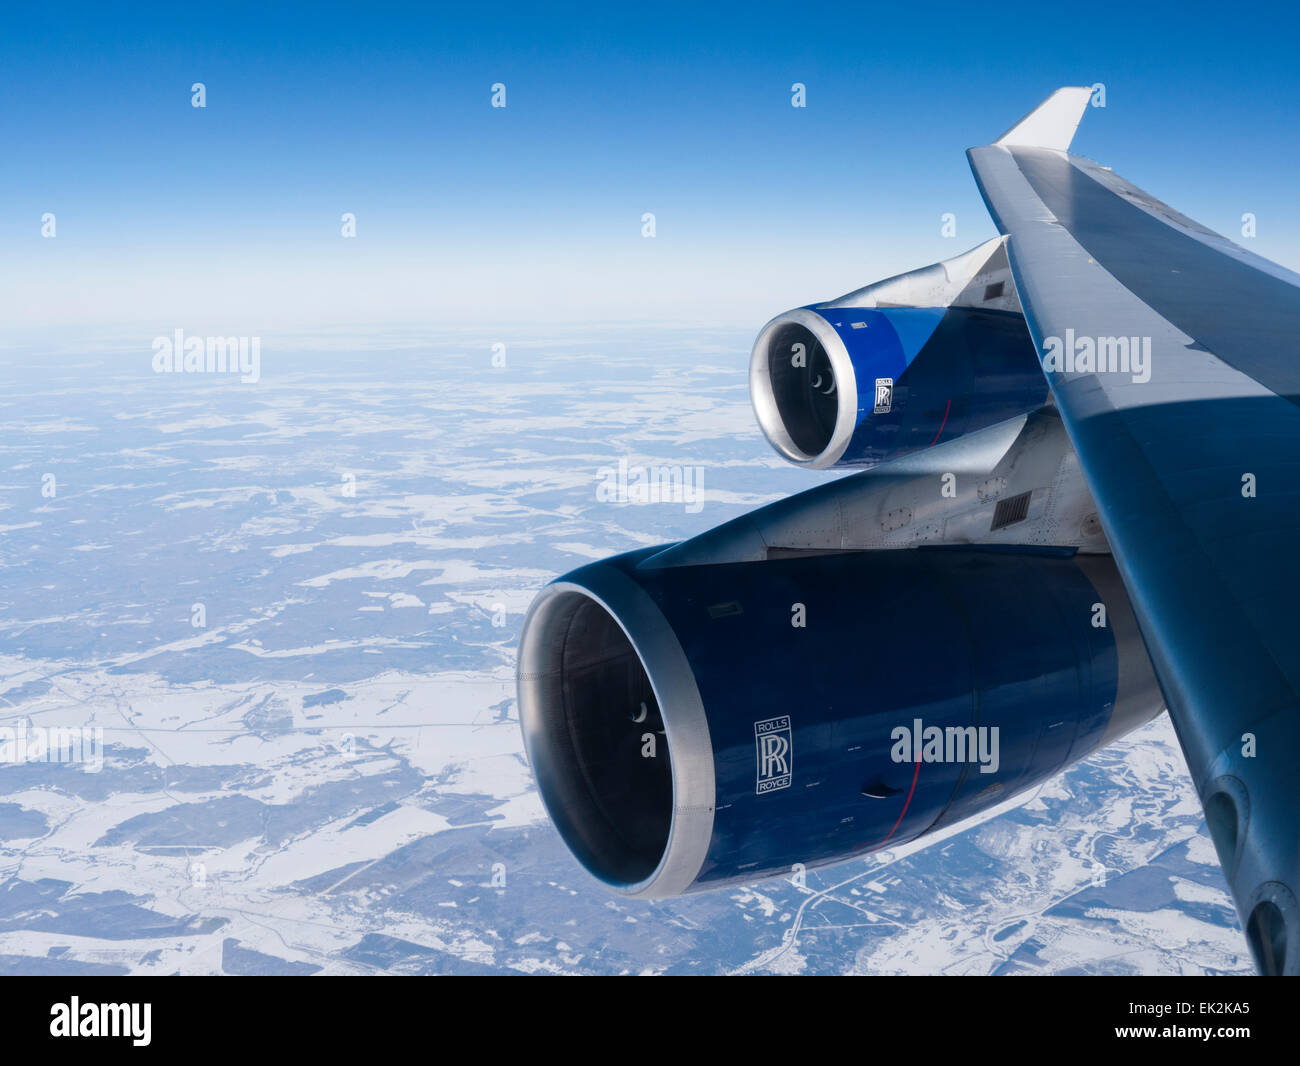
point(1174, 357)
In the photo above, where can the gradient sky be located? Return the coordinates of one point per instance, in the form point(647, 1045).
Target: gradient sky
point(228, 218)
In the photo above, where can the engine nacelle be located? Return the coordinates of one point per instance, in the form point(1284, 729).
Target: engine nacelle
point(898, 366)
point(857, 386)
point(692, 726)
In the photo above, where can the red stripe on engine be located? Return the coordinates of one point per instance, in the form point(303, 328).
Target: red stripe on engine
point(942, 424)
point(915, 774)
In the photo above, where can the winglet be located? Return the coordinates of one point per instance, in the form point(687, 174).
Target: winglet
point(1052, 123)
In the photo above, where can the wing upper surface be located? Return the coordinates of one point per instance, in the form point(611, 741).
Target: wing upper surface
point(1191, 447)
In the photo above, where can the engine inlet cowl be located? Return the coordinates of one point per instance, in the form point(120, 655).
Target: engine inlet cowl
point(616, 733)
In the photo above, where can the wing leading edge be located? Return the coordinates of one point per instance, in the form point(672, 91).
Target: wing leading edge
point(1171, 353)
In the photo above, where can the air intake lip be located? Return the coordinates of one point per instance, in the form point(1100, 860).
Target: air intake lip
point(784, 415)
point(592, 645)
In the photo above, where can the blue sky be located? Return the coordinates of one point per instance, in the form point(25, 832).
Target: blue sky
point(228, 217)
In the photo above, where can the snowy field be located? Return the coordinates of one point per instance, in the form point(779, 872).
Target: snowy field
point(286, 612)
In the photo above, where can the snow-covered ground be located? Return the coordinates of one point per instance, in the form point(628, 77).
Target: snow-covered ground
point(289, 609)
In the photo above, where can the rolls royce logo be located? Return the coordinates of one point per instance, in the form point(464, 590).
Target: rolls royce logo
point(774, 747)
point(884, 395)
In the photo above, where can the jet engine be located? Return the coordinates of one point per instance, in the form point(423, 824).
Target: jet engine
point(889, 369)
point(693, 726)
